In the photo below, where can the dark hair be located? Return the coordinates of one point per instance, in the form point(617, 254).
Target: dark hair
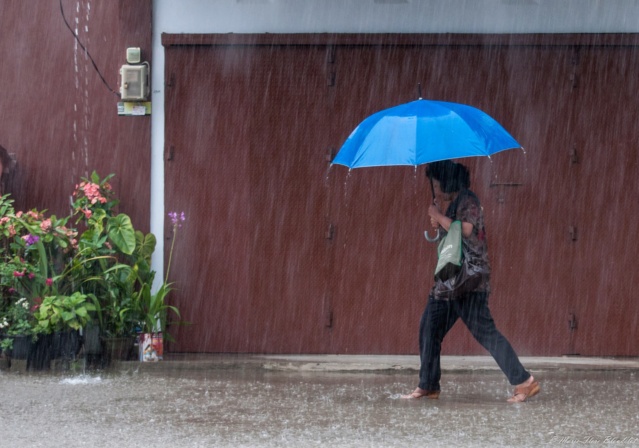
point(5, 160)
point(452, 177)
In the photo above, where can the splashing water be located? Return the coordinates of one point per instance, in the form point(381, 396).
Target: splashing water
point(81, 380)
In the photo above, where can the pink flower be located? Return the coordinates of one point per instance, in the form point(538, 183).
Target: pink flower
point(49, 281)
point(37, 302)
point(31, 275)
point(45, 225)
point(70, 233)
point(92, 192)
point(18, 274)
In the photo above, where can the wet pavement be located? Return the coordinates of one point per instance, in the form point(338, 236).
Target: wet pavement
point(306, 401)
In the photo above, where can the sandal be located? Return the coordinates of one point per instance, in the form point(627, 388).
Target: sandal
point(419, 393)
point(524, 391)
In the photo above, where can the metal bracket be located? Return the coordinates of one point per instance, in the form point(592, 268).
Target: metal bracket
point(330, 154)
point(328, 319)
point(330, 65)
point(330, 54)
point(170, 81)
point(330, 231)
point(170, 153)
point(572, 322)
point(572, 231)
point(330, 77)
point(574, 157)
point(501, 197)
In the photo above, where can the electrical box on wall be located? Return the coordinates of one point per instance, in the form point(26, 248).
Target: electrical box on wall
point(134, 82)
point(133, 55)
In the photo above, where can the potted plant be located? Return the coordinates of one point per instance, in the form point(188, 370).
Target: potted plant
point(96, 277)
point(64, 316)
point(155, 309)
point(107, 244)
point(32, 248)
point(119, 312)
point(18, 326)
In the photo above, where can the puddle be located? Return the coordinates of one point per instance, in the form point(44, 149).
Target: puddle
point(257, 408)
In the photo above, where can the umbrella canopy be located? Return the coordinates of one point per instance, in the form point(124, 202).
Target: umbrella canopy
point(423, 131)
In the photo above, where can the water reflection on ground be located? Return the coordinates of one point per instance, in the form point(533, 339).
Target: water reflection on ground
point(257, 408)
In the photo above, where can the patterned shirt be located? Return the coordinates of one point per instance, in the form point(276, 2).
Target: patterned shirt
point(467, 208)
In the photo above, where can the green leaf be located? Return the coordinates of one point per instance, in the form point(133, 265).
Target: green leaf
point(96, 219)
point(146, 244)
point(121, 233)
point(43, 262)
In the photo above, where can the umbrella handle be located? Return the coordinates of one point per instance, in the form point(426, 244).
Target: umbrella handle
point(429, 239)
point(437, 236)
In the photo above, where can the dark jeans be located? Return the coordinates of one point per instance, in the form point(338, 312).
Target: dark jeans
point(440, 316)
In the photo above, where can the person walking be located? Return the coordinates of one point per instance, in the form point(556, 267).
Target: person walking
point(447, 304)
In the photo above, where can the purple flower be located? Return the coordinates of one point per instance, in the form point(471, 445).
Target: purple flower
point(177, 219)
point(31, 239)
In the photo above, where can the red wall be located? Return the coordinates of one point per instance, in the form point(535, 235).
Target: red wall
point(56, 115)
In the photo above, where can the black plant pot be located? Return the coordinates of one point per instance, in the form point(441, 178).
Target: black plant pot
point(21, 347)
point(66, 345)
point(41, 352)
point(91, 341)
point(119, 349)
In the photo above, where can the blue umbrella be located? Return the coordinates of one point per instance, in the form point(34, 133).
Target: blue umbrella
point(423, 131)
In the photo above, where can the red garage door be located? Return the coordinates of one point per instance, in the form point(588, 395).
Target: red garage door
point(282, 254)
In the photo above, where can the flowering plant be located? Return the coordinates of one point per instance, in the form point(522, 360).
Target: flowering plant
point(18, 320)
point(155, 310)
point(44, 261)
point(57, 278)
point(33, 248)
point(93, 194)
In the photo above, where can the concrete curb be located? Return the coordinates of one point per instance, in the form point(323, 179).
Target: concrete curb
point(371, 363)
point(346, 363)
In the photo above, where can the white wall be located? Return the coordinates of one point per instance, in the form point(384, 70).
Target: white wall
point(361, 16)
point(401, 16)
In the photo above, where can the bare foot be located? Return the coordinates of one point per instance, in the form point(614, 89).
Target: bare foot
point(419, 393)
